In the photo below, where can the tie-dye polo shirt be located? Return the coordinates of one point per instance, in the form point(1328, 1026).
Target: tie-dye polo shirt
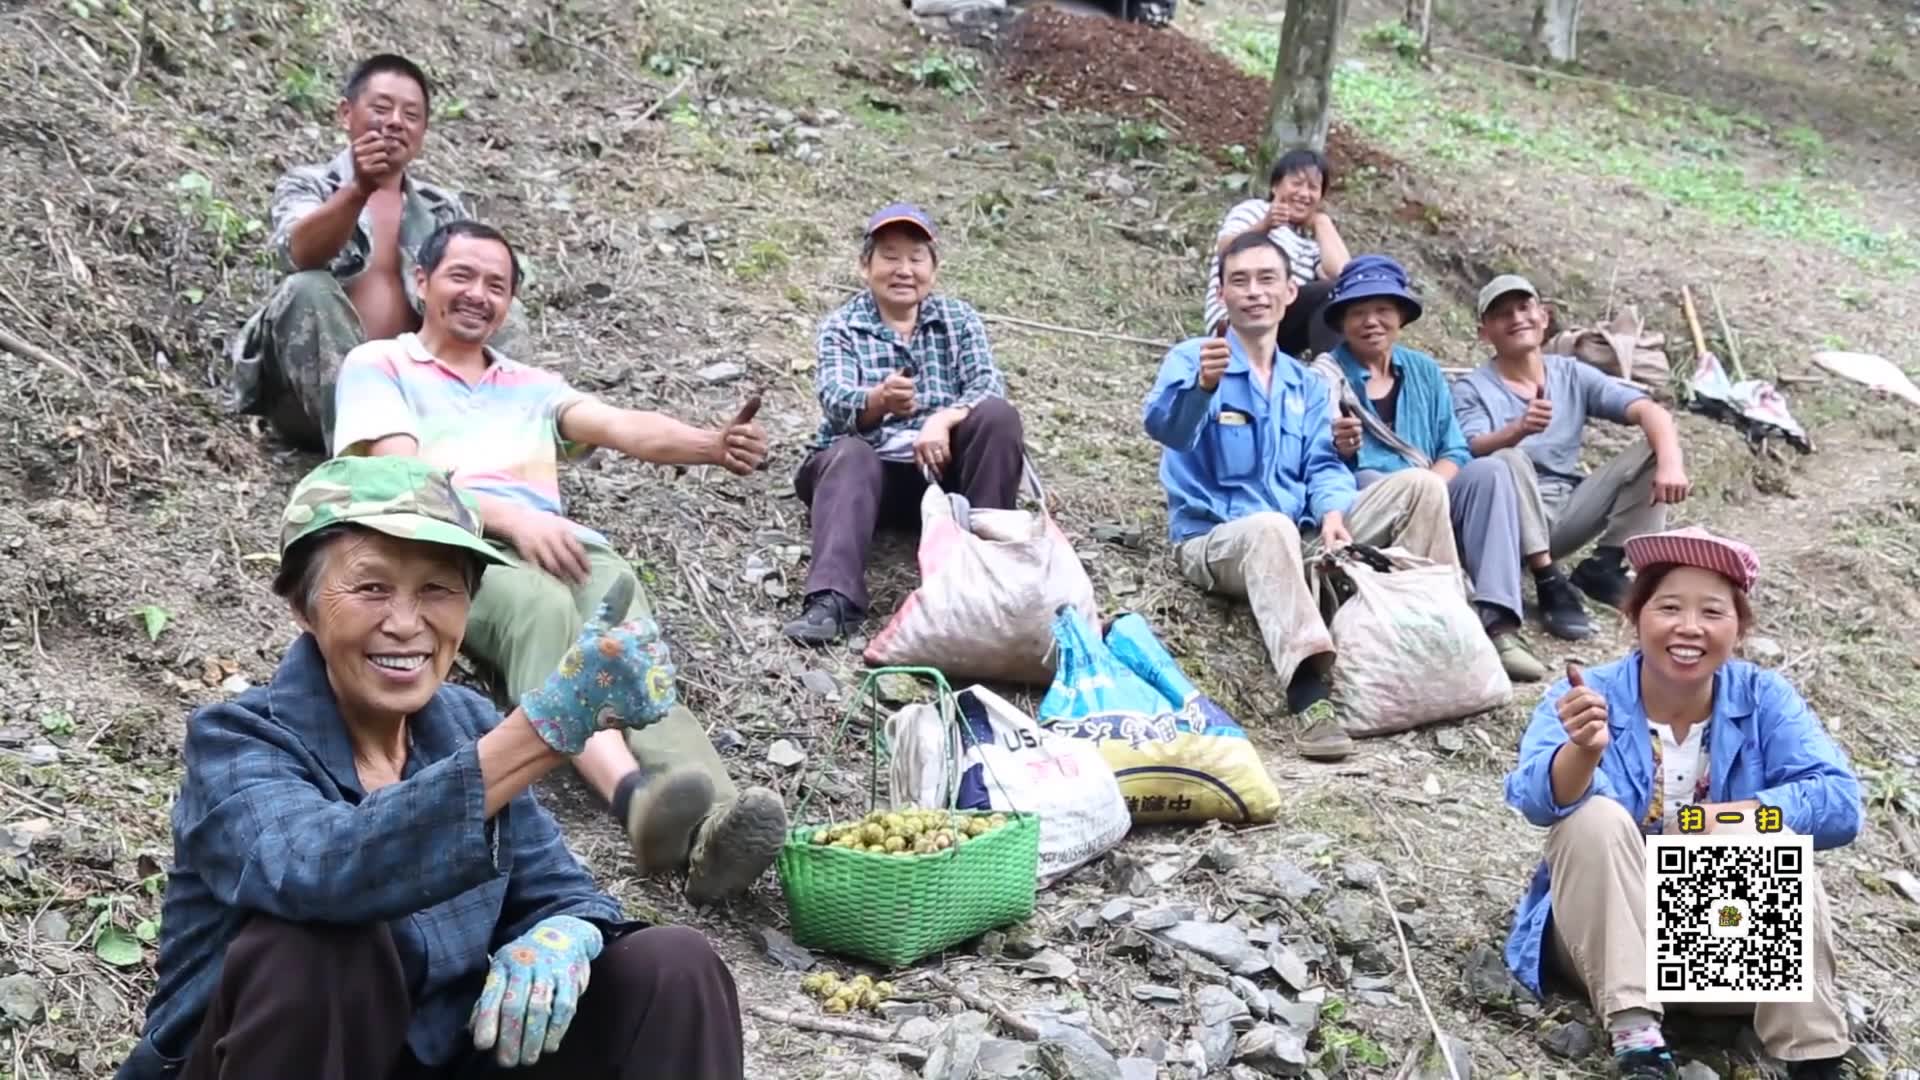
point(498, 436)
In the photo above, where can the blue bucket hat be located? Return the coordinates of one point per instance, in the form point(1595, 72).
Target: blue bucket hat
point(1366, 277)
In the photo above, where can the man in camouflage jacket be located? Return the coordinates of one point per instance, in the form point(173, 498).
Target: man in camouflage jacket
point(346, 235)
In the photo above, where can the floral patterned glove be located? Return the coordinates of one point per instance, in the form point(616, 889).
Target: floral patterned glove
point(533, 989)
point(617, 674)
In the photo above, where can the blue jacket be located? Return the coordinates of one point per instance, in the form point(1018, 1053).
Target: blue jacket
point(271, 818)
point(1767, 745)
point(1238, 451)
point(1424, 416)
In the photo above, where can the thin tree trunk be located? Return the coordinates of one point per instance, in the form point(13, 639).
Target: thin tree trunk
point(1303, 77)
point(1556, 30)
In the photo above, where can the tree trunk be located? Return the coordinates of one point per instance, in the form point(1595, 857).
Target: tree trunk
point(1303, 78)
point(1556, 30)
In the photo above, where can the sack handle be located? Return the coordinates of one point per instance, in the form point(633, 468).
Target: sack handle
point(948, 704)
point(1331, 562)
point(1029, 476)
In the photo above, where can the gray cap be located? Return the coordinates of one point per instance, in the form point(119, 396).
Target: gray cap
point(1501, 286)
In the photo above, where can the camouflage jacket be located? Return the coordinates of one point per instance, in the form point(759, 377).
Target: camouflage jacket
point(300, 192)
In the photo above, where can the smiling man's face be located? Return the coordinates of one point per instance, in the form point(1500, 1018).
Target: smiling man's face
point(1255, 286)
point(468, 294)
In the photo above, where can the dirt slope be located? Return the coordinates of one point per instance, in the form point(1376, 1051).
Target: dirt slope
point(688, 180)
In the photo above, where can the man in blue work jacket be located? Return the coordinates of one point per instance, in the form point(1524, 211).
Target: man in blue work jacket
point(1250, 470)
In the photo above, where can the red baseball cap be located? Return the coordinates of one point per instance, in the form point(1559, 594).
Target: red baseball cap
point(1694, 546)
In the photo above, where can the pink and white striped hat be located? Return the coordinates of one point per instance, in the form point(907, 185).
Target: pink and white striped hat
point(1694, 546)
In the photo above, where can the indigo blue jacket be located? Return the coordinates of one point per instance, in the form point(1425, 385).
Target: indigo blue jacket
point(271, 818)
point(1767, 745)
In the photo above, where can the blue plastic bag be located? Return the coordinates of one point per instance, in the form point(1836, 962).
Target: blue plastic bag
point(1178, 756)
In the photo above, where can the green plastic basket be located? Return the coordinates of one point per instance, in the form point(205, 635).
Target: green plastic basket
point(896, 909)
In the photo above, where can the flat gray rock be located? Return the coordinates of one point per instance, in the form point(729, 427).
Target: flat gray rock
point(23, 1000)
point(1217, 1042)
point(1294, 883)
point(1219, 1005)
point(1005, 1058)
point(1287, 964)
point(1275, 1051)
point(1223, 944)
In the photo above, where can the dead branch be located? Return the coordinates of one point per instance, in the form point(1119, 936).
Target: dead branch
point(666, 97)
point(1406, 957)
point(1056, 328)
point(1903, 836)
point(29, 351)
point(976, 1000)
point(851, 1029)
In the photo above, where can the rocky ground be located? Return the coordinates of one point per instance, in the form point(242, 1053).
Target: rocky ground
point(688, 182)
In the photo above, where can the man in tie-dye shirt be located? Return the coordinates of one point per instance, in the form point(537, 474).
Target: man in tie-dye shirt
point(500, 427)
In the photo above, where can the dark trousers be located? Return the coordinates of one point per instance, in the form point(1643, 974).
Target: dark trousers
point(1302, 327)
point(330, 1003)
point(850, 491)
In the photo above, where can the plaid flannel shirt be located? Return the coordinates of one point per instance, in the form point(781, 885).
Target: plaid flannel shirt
point(857, 350)
point(271, 818)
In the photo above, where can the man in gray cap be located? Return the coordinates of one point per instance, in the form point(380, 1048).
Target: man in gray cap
point(1529, 408)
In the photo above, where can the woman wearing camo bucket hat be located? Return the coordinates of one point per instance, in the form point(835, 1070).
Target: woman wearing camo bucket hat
point(362, 883)
point(1678, 736)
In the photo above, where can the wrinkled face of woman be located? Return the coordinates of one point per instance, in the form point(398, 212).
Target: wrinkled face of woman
point(388, 615)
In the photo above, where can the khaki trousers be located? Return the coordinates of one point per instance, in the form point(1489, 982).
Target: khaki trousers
point(525, 619)
point(1597, 863)
point(1261, 558)
point(1612, 505)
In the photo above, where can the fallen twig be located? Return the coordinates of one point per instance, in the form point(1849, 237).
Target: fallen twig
point(1406, 957)
point(1903, 836)
point(1056, 328)
point(666, 97)
point(974, 999)
point(1547, 73)
point(29, 351)
point(851, 1029)
point(1726, 333)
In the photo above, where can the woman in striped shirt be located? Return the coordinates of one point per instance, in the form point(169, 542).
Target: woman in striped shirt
point(1293, 216)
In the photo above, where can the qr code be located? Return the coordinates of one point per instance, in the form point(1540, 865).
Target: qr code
point(1727, 918)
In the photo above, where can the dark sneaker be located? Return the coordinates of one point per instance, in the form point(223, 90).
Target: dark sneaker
point(1319, 735)
point(735, 845)
point(662, 815)
point(1561, 611)
point(1645, 1065)
point(827, 618)
point(1840, 1068)
point(1603, 579)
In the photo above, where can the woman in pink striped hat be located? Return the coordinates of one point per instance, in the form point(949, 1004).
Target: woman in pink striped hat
point(1677, 736)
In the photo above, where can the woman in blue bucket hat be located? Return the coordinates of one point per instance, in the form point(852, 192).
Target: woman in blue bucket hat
point(1393, 411)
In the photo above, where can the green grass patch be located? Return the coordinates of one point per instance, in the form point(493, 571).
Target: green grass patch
point(1682, 154)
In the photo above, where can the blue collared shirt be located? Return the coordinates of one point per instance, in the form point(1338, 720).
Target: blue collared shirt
point(1242, 449)
point(1767, 745)
point(1424, 417)
point(272, 818)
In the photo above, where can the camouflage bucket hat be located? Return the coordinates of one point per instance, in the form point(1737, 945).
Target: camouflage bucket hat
point(399, 496)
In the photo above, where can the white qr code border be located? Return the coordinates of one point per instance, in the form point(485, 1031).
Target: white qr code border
point(1662, 868)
